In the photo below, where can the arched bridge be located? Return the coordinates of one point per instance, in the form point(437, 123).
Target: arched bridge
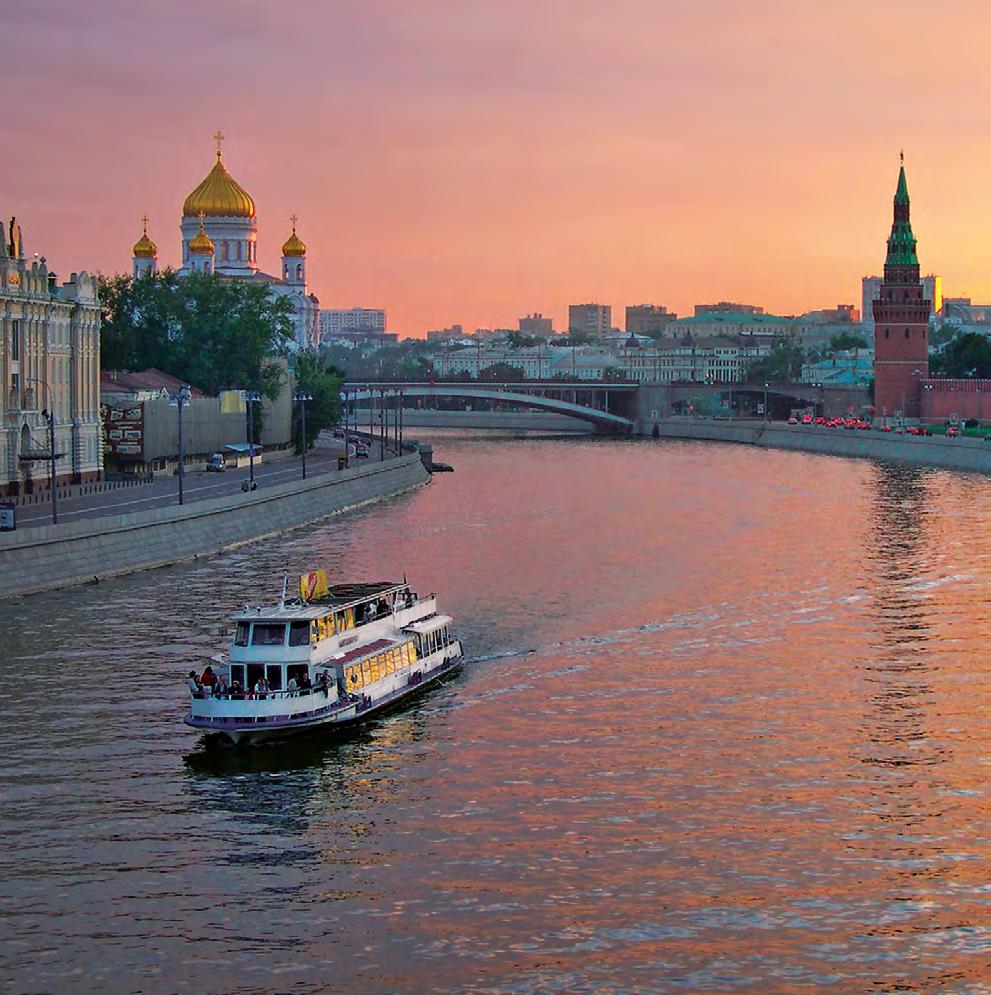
point(524, 395)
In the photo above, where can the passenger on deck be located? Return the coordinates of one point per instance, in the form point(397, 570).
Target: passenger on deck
point(293, 686)
point(236, 689)
point(383, 609)
point(193, 684)
point(410, 599)
point(305, 684)
point(209, 678)
point(369, 612)
point(261, 687)
point(220, 688)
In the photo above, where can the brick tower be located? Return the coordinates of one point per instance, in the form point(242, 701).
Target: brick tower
point(901, 319)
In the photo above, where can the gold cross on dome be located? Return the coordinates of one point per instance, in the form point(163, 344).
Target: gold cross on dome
point(294, 219)
point(144, 223)
point(219, 139)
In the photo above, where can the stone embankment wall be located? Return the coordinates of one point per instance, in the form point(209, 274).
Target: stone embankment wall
point(952, 454)
point(534, 421)
point(53, 556)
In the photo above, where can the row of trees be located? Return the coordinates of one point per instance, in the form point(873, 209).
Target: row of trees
point(215, 334)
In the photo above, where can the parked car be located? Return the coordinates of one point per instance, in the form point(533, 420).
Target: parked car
point(793, 420)
point(361, 452)
point(216, 463)
point(952, 432)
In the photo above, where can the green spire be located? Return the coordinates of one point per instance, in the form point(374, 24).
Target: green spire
point(901, 241)
point(901, 194)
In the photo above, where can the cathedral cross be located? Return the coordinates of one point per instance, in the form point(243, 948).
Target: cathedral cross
point(219, 139)
point(294, 219)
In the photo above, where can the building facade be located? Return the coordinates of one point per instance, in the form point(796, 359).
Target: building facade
point(49, 361)
point(901, 319)
point(647, 319)
point(590, 319)
point(219, 234)
point(333, 321)
point(537, 325)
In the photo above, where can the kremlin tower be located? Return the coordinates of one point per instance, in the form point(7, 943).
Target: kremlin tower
point(901, 319)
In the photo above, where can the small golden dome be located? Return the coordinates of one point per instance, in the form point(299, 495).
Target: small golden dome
point(201, 243)
point(293, 245)
point(219, 196)
point(144, 247)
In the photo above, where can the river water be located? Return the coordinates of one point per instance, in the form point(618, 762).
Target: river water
point(724, 727)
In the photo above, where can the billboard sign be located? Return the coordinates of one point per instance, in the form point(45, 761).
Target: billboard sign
point(123, 430)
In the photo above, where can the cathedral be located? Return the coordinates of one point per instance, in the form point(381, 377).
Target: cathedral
point(219, 232)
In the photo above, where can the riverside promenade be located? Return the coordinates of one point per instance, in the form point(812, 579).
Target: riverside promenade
point(963, 454)
point(110, 533)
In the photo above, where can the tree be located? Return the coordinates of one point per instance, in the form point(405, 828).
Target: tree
point(784, 362)
point(846, 340)
point(203, 329)
point(322, 381)
point(968, 355)
point(501, 373)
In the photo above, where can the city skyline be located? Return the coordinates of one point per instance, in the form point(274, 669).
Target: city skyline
point(459, 163)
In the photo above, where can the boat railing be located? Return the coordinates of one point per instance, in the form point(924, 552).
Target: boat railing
point(228, 695)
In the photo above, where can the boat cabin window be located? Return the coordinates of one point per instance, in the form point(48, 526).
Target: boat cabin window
point(273, 674)
point(255, 673)
point(241, 635)
point(237, 674)
point(299, 634)
point(296, 670)
point(268, 634)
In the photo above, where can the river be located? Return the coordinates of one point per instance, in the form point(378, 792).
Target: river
point(724, 726)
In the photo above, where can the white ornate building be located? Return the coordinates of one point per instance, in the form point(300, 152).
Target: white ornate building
point(219, 231)
point(49, 360)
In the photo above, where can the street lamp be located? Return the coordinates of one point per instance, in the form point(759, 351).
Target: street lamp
point(766, 385)
point(251, 397)
point(49, 415)
point(301, 396)
point(180, 398)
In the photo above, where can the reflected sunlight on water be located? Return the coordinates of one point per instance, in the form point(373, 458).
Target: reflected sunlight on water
point(724, 728)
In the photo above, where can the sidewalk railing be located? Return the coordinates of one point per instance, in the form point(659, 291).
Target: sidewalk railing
point(78, 490)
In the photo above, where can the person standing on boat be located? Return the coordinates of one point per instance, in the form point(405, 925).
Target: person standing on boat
point(193, 684)
point(208, 679)
point(262, 686)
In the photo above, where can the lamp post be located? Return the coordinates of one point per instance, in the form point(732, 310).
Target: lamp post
point(251, 397)
point(766, 385)
point(49, 415)
point(301, 397)
point(179, 399)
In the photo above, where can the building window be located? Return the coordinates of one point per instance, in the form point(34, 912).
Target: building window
point(15, 340)
point(238, 250)
point(887, 333)
point(908, 334)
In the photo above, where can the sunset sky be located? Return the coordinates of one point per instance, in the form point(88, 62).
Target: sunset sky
point(469, 161)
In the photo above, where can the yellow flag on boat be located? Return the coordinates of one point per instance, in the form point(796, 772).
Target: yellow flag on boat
point(313, 585)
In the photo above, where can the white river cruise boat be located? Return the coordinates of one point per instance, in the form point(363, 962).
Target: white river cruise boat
point(330, 658)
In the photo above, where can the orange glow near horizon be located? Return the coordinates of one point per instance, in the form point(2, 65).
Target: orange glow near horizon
point(463, 161)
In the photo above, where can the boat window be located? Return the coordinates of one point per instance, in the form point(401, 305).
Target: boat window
point(268, 634)
point(299, 634)
point(273, 674)
point(241, 635)
point(255, 673)
point(237, 674)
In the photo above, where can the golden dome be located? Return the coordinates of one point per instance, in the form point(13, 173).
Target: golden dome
point(219, 196)
point(144, 247)
point(201, 243)
point(293, 245)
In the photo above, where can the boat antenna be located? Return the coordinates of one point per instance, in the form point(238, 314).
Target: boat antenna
point(285, 587)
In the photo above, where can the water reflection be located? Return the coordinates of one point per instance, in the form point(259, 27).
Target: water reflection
point(726, 729)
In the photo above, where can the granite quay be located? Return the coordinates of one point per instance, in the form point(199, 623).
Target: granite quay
point(45, 557)
point(964, 454)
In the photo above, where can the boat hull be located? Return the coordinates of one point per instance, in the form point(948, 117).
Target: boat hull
point(335, 723)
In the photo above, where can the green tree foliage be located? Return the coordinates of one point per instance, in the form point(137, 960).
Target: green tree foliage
point(783, 363)
point(517, 340)
point(843, 341)
point(404, 361)
point(207, 331)
point(968, 355)
point(501, 373)
point(322, 381)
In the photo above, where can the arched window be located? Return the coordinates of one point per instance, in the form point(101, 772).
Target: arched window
point(887, 333)
point(299, 272)
point(238, 250)
point(908, 333)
